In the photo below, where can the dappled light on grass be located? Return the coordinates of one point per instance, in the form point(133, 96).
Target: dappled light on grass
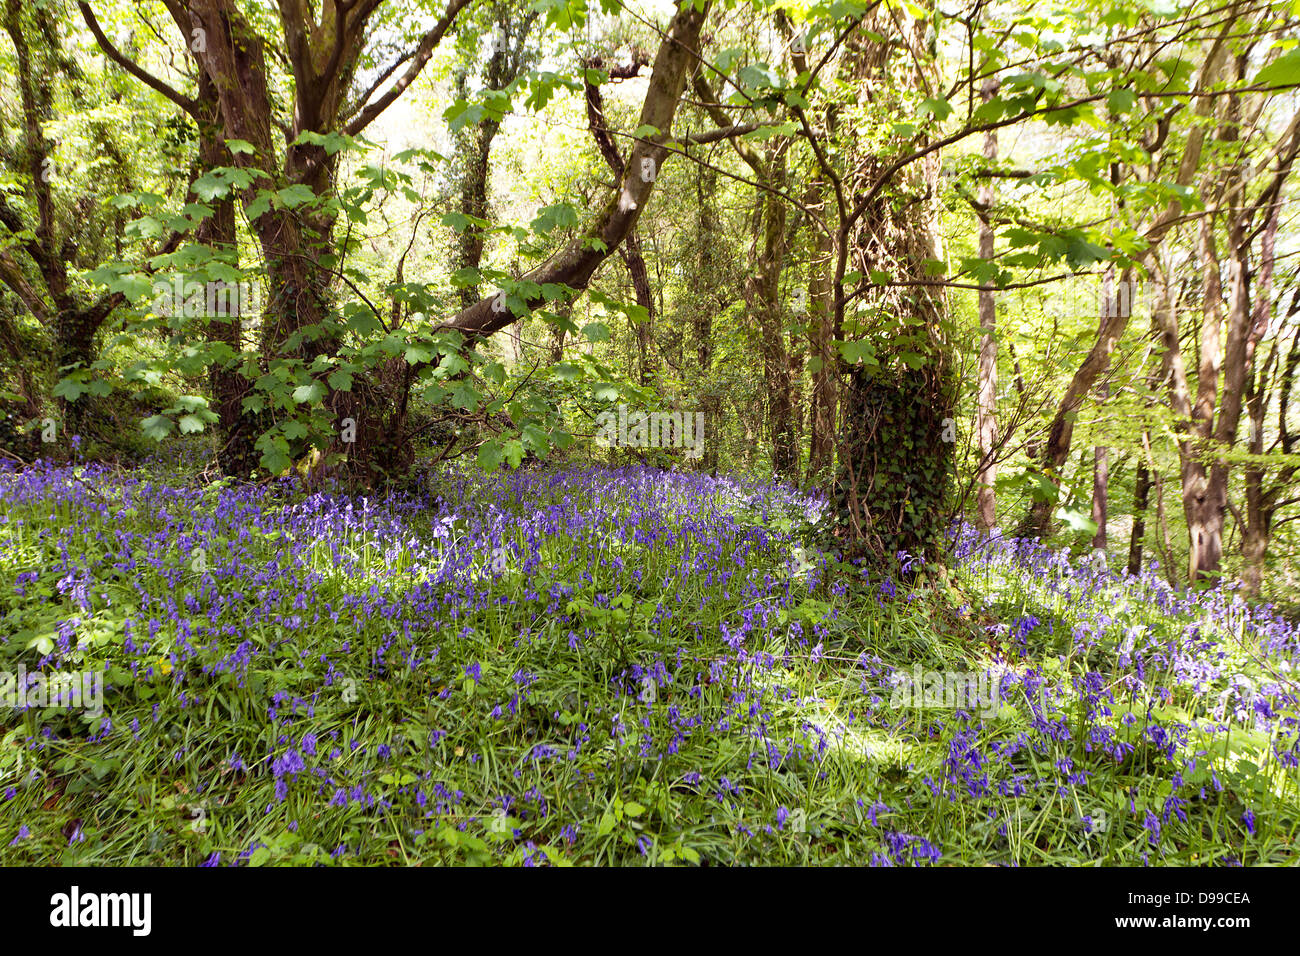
point(609, 666)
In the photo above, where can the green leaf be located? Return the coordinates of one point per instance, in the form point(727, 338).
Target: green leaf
point(260, 206)
point(190, 424)
point(858, 352)
point(1284, 71)
point(157, 427)
point(1077, 520)
point(560, 216)
point(416, 354)
point(489, 455)
point(912, 360)
point(1120, 101)
point(596, 332)
point(295, 195)
point(305, 394)
point(465, 396)
point(939, 108)
point(71, 387)
point(466, 277)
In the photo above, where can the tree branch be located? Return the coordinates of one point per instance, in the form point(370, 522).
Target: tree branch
point(422, 55)
point(189, 105)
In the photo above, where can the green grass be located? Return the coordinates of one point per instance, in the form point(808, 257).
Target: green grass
point(787, 753)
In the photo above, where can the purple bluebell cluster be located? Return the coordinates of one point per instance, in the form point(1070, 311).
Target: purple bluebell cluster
point(602, 665)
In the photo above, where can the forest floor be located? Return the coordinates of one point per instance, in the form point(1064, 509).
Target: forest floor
point(595, 666)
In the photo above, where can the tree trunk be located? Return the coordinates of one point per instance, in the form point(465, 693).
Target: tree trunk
point(1141, 492)
point(709, 273)
point(1100, 453)
point(764, 295)
point(823, 361)
point(1057, 448)
point(643, 329)
point(895, 458)
point(237, 429)
point(1261, 501)
point(474, 144)
point(986, 424)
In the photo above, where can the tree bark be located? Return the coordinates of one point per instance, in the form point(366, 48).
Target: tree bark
point(824, 400)
point(1141, 492)
point(474, 144)
point(986, 424)
point(763, 292)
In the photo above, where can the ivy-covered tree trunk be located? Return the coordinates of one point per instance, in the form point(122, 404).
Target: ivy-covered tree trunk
point(764, 295)
point(71, 324)
point(895, 460)
point(474, 143)
point(894, 482)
